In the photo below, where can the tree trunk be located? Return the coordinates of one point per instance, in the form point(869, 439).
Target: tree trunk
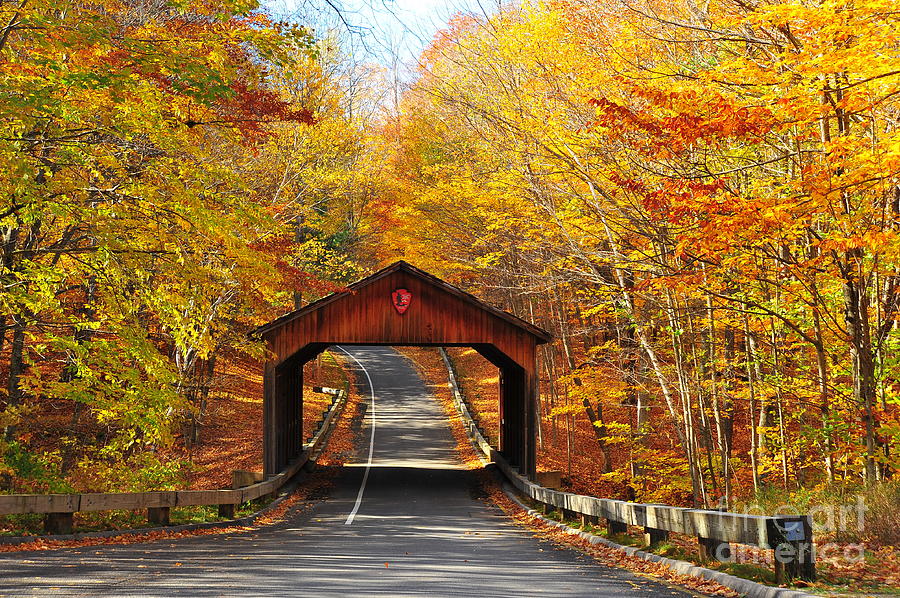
point(16, 371)
point(750, 359)
point(856, 306)
point(824, 396)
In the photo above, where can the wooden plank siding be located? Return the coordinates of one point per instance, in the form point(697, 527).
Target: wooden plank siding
point(438, 315)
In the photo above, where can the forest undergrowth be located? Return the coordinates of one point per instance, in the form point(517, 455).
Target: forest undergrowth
point(231, 440)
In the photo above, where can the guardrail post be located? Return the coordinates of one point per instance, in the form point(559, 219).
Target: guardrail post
point(712, 549)
point(591, 520)
point(655, 536)
point(807, 561)
point(226, 511)
point(158, 515)
point(616, 527)
point(58, 523)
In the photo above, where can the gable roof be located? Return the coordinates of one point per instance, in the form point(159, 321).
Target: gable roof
point(541, 335)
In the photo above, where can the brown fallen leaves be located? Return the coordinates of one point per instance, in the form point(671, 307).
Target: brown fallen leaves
point(231, 437)
point(340, 444)
point(880, 569)
point(43, 544)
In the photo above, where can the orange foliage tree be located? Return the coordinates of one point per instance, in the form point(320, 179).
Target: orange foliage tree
point(701, 201)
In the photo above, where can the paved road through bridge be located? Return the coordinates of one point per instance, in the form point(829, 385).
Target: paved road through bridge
point(401, 521)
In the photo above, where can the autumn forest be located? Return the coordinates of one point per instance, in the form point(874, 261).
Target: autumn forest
point(700, 200)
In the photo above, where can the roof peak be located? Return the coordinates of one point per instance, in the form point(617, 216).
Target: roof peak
point(528, 327)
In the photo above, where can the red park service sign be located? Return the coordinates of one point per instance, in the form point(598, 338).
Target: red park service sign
point(401, 298)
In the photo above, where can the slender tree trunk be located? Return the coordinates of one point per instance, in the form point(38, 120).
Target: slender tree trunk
point(692, 449)
point(722, 425)
point(782, 434)
point(750, 358)
point(549, 366)
point(824, 395)
point(856, 305)
point(568, 441)
point(600, 433)
point(16, 371)
point(706, 438)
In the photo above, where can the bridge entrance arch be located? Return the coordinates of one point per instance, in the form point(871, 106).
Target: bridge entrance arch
point(404, 306)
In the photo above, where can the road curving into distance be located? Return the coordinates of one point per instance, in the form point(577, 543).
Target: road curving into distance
point(401, 520)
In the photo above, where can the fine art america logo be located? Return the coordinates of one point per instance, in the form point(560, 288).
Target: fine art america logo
point(843, 525)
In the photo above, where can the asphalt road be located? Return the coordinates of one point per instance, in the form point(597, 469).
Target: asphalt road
point(401, 523)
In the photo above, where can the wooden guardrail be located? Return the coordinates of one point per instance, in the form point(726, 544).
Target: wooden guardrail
point(789, 536)
point(59, 508)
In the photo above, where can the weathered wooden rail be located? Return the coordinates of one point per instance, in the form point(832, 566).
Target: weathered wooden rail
point(59, 509)
point(789, 536)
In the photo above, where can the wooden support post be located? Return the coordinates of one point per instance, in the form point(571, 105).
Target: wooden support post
point(616, 527)
point(58, 523)
point(714, 550)
point(269, 418)
point(531, 396)
point(655, 536)
point(589, 520)
point(807, 560)
point(781, 576)
point(508, 437)
point(158, 515)
point(795, 559)
point(567, 515)
point(226, 511)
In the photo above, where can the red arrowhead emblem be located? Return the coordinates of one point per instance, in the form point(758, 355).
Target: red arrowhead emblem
point(401, 298)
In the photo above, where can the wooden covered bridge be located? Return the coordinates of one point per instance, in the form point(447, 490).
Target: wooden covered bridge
point(403, 306)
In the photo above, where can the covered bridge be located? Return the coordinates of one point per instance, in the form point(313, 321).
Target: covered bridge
point(404, 306)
